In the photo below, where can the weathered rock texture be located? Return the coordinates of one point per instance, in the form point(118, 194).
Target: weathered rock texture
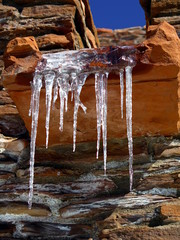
point(56, 25)
point(63, 24)
point(120, 37)
point(72, 196)
point(158, 11)
point(155, 87)
point(73, 199)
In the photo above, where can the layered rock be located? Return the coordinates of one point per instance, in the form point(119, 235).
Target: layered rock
point(158, 11)
point(73, 199)
point(158, 80)
point(121, 37)
point(55, 24)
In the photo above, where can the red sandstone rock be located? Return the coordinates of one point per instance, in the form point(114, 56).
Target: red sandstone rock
point(39, 18)
point(91, 38)
point(121, 37)
point(41, 11)
point(158, 11)
point(20, 49)
point(155, 99)
point(53, 40)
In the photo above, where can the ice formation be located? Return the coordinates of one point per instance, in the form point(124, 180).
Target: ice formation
point(64, 72)
point(101, 109)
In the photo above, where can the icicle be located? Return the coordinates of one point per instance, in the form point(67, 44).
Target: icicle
point(101, 109)
point(32, 99)
point(104, 120)
point(61, 95)
point(78, 84)
point(66, 100)
point(36, 88)
point(129, 121)
point(98, 111)
point(55, 92)
point(70, 69)
point(122, 90)
point(64, 88)
point(49, 81)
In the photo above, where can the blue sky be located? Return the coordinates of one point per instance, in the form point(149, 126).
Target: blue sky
point(117, 14)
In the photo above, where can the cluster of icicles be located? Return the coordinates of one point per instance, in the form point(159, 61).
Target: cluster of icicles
point(61, 73)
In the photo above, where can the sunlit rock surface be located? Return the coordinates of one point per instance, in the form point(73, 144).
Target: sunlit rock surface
point(121, 37)
point(55, 24)
point(155, 99)
point(72, 197)
point(159, 11)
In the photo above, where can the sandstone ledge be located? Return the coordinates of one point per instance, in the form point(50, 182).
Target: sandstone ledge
point(155, 87)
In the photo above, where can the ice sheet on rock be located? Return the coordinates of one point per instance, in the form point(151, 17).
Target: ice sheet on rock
point(101, 110)
point(36, 89)
point(128, 70)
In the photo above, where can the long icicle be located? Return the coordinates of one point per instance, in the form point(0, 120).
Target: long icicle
point(98, 111)
point(104, 119)
point(122, 90)
point(36, 89)
point(62, 97)
point(129, 121)
point(101, 110)
point(49, 81)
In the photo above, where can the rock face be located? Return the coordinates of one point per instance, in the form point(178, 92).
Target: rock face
point(72, 197)
point(128, 36)
point(158, 80)
point(54, 24)
point(158, 11)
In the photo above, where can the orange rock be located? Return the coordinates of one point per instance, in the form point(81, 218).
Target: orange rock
point(41, 11)
point(164, 44)
point(42, 17)
point(171, 210)
point(91, 38)
point(21, 47)
point(158, 11)
point(20, 50)
point(105, 31)
point(155, 98)
point(53, 40)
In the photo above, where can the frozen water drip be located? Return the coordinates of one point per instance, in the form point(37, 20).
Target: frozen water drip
point(64, 72)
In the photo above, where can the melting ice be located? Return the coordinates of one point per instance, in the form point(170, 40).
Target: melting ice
point(66, 72)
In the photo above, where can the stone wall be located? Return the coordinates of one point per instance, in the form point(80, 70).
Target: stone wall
point(158, 11)
point(56, 24)
point(121, 37)
point(63, 24)
point(73, 199)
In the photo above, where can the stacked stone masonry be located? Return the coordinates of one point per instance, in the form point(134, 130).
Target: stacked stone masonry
point(158, 11)
point(121, 37)
point(55, 24)
point(73, 199)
